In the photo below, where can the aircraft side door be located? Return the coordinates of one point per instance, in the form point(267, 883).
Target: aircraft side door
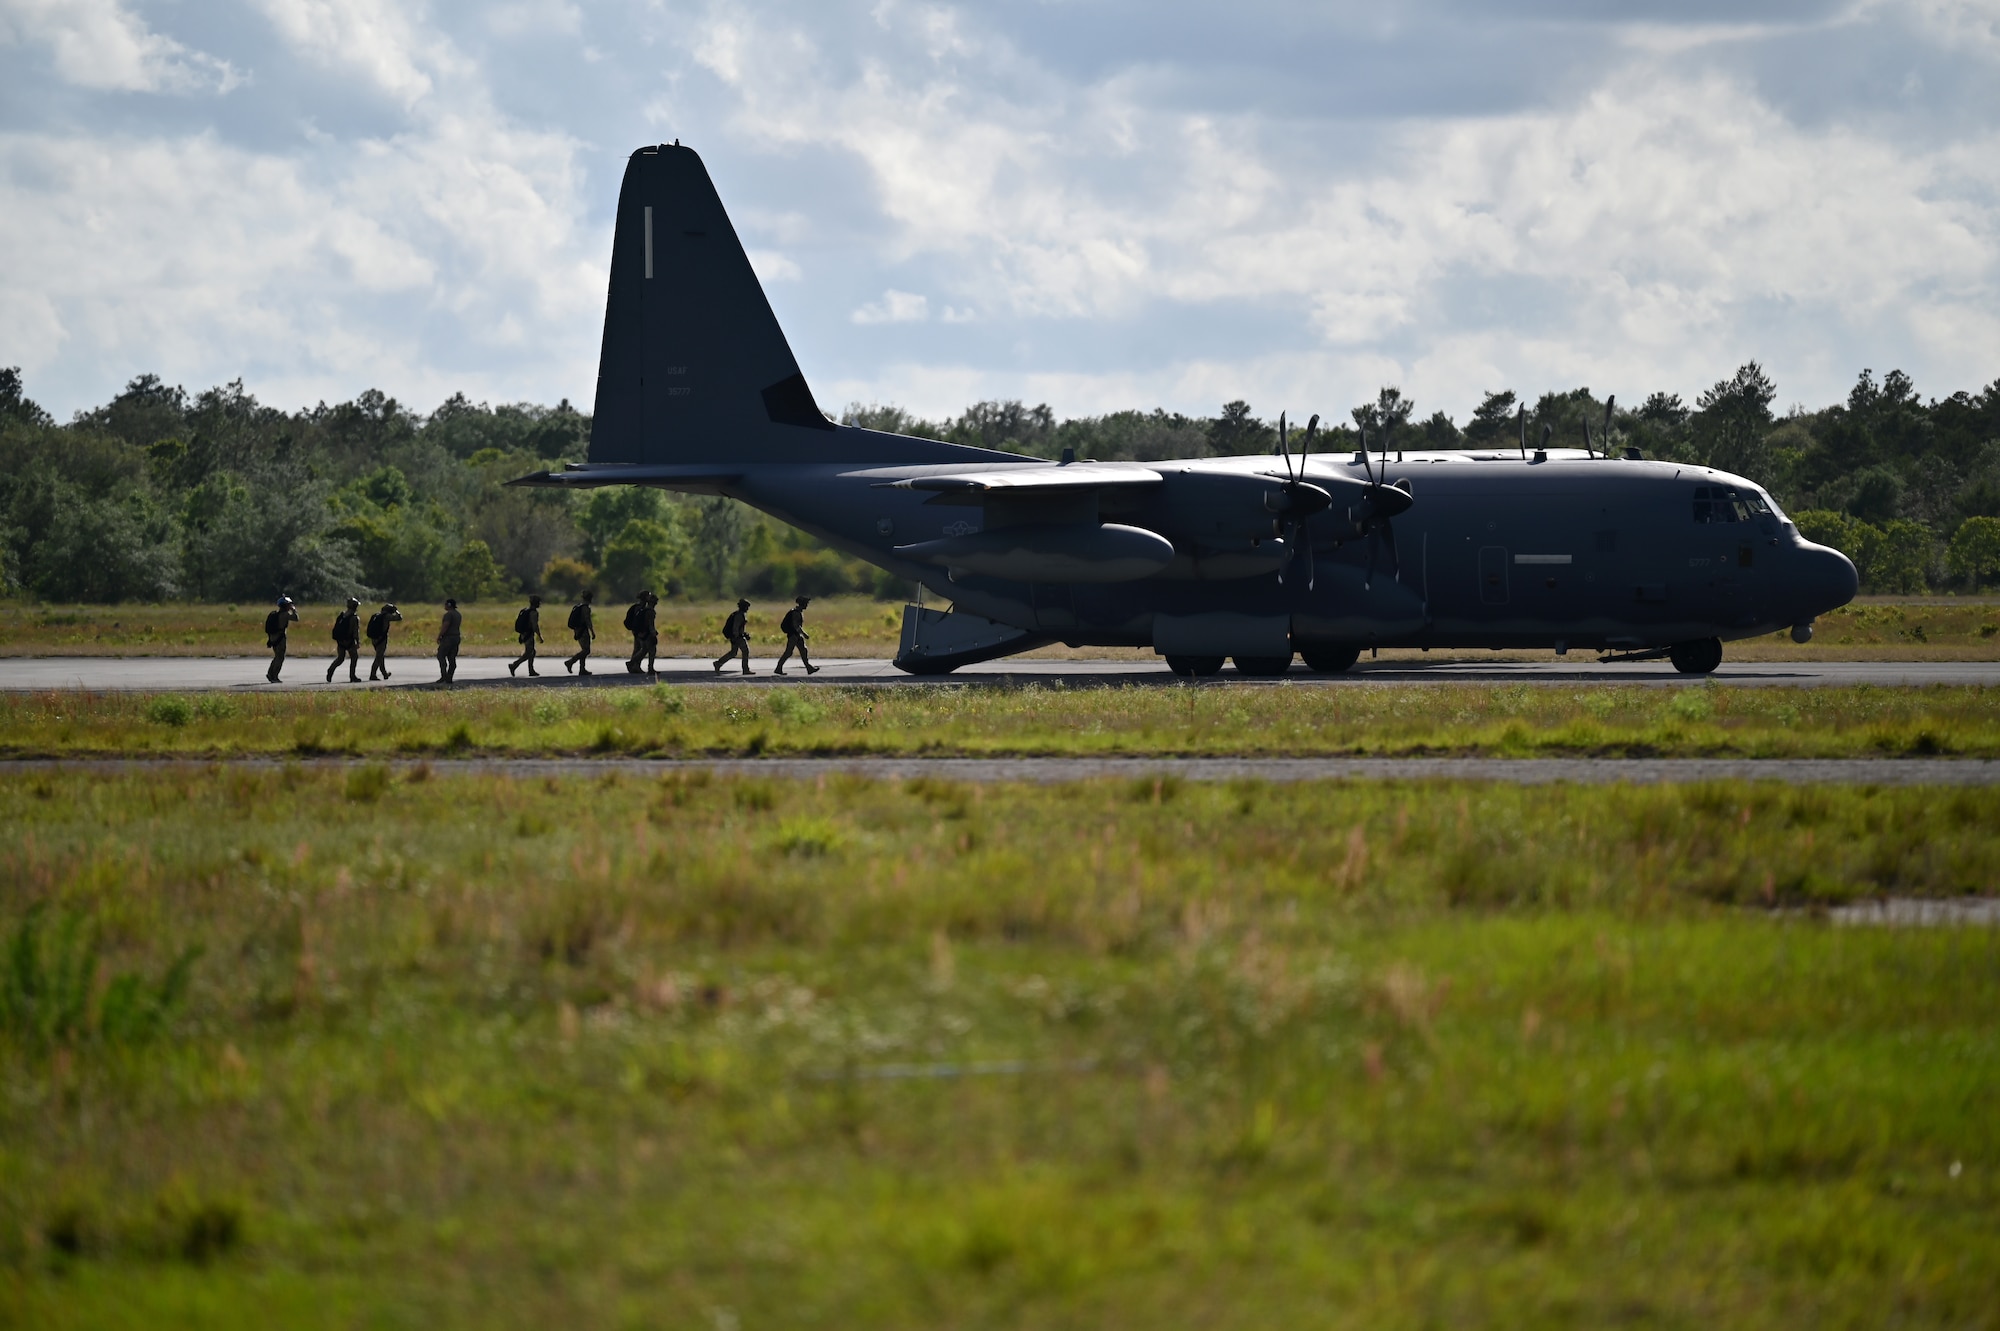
point(1493, 574)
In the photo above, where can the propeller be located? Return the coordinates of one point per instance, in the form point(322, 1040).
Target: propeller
point(1301, 498)
point(1384, 502)
point(1603, 433)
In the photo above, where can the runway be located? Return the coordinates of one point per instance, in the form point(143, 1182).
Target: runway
point(195, 674)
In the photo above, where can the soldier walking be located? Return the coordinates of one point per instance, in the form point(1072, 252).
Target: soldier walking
point(378, 638)
point(448, 642)
point(635, 624)
point(347, 642)
point(794, 625)
point(737, 630)
point(275, 625)
point(649, 623)
point(584, 631)
point(528, 628)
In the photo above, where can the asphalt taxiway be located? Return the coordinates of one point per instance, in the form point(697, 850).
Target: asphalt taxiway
point(182, 674)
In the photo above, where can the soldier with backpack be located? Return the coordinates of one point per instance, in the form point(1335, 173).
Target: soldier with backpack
point(447, 640)
point(347, 642)
point(528, 628)
point(737, 630)
point(584, 631)
point(635, 624)
point(794, 625)
point(275, 625)
point(649, 624)
point(378, 638)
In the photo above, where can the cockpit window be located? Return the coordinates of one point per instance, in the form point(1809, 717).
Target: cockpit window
point(1720, 503)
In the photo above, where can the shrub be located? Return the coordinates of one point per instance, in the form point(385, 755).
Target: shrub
point(169, 710)
point(563, 576)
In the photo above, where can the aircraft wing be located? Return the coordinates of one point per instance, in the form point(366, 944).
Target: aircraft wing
point(1027, 482)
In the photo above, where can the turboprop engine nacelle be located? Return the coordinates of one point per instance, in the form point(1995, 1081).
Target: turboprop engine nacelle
point(1068, 553)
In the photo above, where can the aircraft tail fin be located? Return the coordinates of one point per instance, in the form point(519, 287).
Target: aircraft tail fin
point(694, 368)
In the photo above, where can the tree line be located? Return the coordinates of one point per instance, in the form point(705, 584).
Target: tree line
point(161, 494)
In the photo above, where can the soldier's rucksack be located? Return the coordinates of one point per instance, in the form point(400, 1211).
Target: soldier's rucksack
point(794, 623)
point(339, 633)
point(576, 619)
point(524, 623)
point(735, 626)
point(378, 626)
point(632, 618)
point(274, 623)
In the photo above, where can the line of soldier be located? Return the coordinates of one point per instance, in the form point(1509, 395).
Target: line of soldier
point(641, 621)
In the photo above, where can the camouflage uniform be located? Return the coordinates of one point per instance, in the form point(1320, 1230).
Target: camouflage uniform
point(275, 625)
point(448, 643)
point(583, 628)
point(378, 638)
point(794, 625)
point(347, 642)
point(737, 630)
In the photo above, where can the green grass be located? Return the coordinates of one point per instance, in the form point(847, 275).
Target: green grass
point(841, 626)
point(1297, 719)
point(608, 1052)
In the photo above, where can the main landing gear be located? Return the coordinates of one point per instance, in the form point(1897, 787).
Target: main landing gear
point(1699, 657)
point(1323, 660)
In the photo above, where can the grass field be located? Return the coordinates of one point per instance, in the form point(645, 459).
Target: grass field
point(1944, 629)
point(1300, 719)
point(603, 1052)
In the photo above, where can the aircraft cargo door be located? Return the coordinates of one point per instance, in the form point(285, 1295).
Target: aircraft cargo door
point(1493, 574)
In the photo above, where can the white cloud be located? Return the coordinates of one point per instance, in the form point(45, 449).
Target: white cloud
point(1094, 224)
point(895, 307)
point(99, 44)
point(771, 266)
point(376, 39)
point(1650, 224)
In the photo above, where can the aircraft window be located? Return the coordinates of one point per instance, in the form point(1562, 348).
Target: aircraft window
point(1719, 503)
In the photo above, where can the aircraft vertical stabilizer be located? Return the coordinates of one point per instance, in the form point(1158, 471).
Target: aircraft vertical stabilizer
point(694, 367)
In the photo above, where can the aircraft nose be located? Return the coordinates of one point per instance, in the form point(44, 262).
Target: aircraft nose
point(1829, 580)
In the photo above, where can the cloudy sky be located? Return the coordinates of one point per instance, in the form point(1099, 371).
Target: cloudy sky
point(1093, 203)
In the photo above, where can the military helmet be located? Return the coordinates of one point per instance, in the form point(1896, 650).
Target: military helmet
point(353, 602)
point(742, 605)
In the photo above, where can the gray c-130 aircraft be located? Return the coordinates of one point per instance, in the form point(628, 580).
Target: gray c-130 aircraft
point(1250, 559)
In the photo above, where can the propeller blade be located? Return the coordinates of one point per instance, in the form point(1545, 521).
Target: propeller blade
point(1547, 430)
point(1284, 449)
point(1307, 538)
point(1604, 434)
point(1586, 438)
point(1522, 414)
point(1363, 432)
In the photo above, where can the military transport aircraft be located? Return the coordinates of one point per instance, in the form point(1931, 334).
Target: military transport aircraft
point(1254, 559)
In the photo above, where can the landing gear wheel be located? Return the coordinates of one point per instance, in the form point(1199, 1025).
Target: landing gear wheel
point(1263, 667)
point(1195, 667)
point(1329, 660)
point(1699, 657)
